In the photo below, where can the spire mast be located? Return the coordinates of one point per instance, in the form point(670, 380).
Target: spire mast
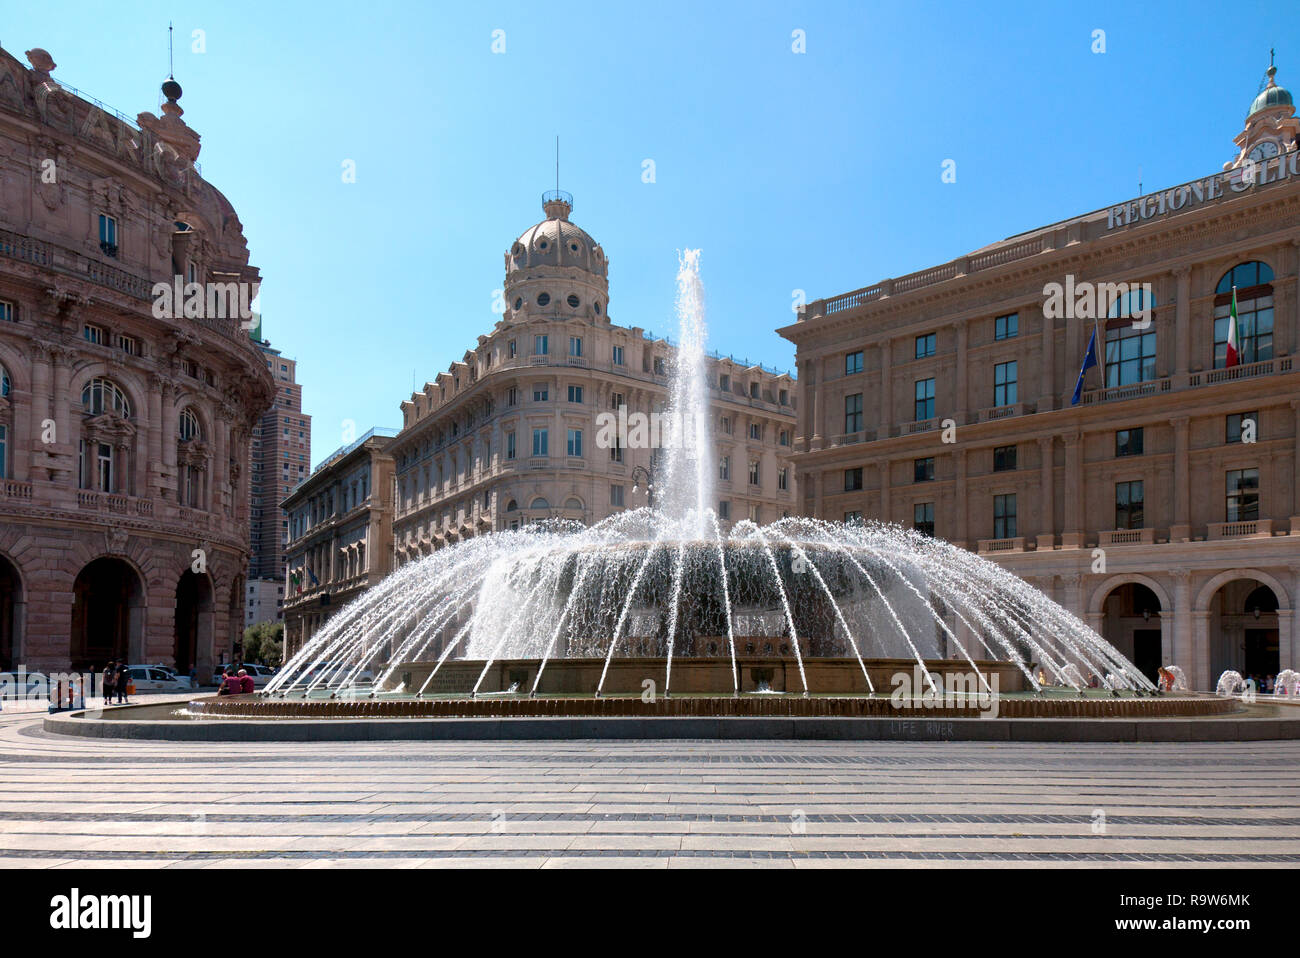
point(171, 69)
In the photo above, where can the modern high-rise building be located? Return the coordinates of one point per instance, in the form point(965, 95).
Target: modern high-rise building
point(125, 414)
point(1161, 502)
point(281, 459)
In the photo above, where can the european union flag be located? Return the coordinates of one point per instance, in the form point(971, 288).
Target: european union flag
point(1089, 360)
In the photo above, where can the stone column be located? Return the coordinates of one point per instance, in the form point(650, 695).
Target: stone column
point(1073, 594)
point(885, 502)
point(1295, 466)
point(960, 399)
point(1295, 302)
point(1176, 641)
point(154, 441)
point(1047, 503)
point(1047, 366)
point(803, 391)
point(63, 360)
point(1181, 530)
point(1291, 660)
point(962, 518)
point(220, 481)
point(1182, 326)
point(1285, 632)
point(886, 410)
point(817, 393)
point(1198, 666)
point(817, 487)
point(1074, 535)
point(41, 385)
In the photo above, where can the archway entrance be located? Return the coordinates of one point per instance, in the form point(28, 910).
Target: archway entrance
point(1244, 630)
point(1131, 623)
point(193, 630)
point(107, 614)
point(11, 593)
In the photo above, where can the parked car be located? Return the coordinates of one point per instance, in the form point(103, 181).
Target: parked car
point(151, 678)
point(261, 673)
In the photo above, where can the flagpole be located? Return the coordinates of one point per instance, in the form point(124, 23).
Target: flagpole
point(1101, 349)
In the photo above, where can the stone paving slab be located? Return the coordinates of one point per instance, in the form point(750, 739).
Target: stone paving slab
point(80, 803)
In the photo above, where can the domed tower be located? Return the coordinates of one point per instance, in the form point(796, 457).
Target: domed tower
point(1271, 125)
point(555, 270)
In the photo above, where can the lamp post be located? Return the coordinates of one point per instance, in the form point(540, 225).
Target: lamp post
point(642, 474)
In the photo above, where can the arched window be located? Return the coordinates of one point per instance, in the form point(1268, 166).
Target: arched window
point(512, 506)
point(1253, 282)
point(5, 383)
point(188, 428)
point(540, 503)
point(572, 503)
point(103, 395)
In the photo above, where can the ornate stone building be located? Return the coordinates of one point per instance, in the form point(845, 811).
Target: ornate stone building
point(340, 534)
point(509, 434)
point(124, 425)
point(1164, 507)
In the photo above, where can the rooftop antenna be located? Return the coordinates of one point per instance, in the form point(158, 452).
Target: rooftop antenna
point(170, 65)
point(1139, 179)
point(557, 162)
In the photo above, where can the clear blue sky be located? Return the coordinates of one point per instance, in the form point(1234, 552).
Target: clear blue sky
point(818, 171)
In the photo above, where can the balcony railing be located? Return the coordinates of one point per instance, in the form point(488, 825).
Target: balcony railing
point(1133, 391)
point(1126, 537)
point(12, 489)
point(113, 503)
point(1016, 544)
point(1003, 412)
point(1250, 370)
point(1241, 530)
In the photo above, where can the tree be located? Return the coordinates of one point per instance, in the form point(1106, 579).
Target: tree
point(264, 643)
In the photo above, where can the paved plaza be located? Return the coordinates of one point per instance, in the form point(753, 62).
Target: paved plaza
point(67, 802)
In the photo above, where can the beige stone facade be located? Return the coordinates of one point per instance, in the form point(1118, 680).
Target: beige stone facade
point(943, 400)
point(340, 534)
point(511, 433)
point(124, 436)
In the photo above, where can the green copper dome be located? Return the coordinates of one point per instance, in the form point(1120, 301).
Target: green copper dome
point(1273, 95)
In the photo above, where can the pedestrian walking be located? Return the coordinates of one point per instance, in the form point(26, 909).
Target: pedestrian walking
point(123, 677)
point(109, 681)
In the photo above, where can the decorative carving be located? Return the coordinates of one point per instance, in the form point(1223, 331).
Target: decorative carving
point(115, 540)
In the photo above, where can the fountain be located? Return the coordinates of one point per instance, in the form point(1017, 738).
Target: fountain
point(659, 608)
point(1287, 683)
point(1230, 683)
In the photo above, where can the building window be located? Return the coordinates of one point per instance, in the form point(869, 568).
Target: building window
point(925, 345)
point(726, 425)
point(783, 437)
point(1130, 355)
point(1243, 495)
point(4, 451)
point(924, 408)
point(1004, 384)
point(539, 443)
point(1128, 504)
point(923, 469)
point(188, 426)
point(616, 496)
point(7, 311)
point(574, 443)
point(659, 367)
point(1128, 442)
point(93, 334)
point(108, 234)
point(923, 518)
point(756, 431)
point(853, 518)
point(103, 395)
point(853, 479)
point(1242, 427)
point(541, 345)
point(616, 450)
point(618, 355)
point(753, 472)
point(1006, 327)
point(128, 345)
point(512, 396)
point(783, 397)
point(724, 467)
point(510, 445)
point(1004, 517)
point(853, 363)
point(781, 479)
point(575, 345)
point(575, 394)
point(1254, 313)
point(511, 349)
point(1004, 458)
point(724, 383)
point(541, 392)
point(853, 413)
point(724, 509)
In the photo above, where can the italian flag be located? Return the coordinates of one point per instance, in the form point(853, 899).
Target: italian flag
point(1234, 340)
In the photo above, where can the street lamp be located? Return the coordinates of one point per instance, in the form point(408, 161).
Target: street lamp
point(640, 474)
